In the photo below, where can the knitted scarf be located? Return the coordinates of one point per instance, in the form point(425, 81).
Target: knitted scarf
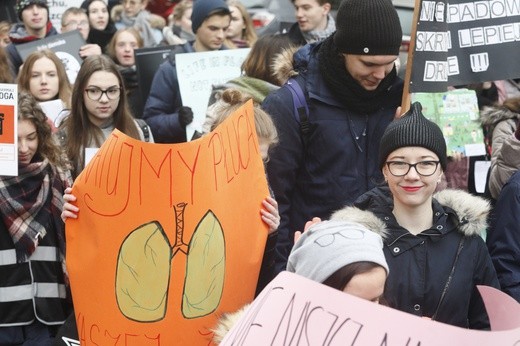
point(31, 204)
point(318, 35)
point(19, 34)
point(102, 37)
point(341, 83)
point(141, 23)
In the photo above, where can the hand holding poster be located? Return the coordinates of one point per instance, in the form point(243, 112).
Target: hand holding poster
point(293, 310)
point(168, 236)
point(198, 72)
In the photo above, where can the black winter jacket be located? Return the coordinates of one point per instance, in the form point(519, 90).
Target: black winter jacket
point(340, 161)
point(420, 265)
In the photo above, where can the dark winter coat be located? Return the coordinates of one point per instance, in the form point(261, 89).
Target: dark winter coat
point(503, 238)
point(333, 168)
point(420, 265)
point(164, 101)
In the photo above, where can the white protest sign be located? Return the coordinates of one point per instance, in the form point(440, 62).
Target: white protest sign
point(293, 310)
point(198, 72)
point(52, 109)
point(56, 9)
point(8, 129)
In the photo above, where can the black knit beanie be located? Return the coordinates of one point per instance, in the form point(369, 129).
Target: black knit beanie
point(22, 4)
point(368, 27)
point(413, 130)
point(202, 9)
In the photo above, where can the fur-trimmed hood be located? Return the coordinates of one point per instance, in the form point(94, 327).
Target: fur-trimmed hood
point(283, 67)
point(226, 322)
point(490, 116)
point(471, 211)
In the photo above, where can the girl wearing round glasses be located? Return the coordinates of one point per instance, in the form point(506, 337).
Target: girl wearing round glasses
point(99, 105)
point(433, 246)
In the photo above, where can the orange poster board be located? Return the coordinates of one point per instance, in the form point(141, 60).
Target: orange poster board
point(7, 126)
point(168, 236)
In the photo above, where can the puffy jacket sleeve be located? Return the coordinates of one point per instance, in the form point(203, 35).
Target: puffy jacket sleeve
point(507, 162)
point(282, 168)
point(503, 239)
point(162, 105)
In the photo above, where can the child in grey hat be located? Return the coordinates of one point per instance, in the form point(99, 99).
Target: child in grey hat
point(342, 254)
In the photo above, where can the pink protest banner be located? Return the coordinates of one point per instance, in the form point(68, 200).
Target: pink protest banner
point(167, 236)
point(293, 310)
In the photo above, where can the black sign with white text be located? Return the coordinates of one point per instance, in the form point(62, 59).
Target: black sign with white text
point(462, 42)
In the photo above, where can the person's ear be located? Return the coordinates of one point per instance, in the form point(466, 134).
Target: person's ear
point(326, 7)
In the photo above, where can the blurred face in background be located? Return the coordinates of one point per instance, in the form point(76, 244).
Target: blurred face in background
point(310, 15)
point(185, 22)
point(27, 141)
point(34, 18)
point(237, 25)
point(4, 39)
point(44, 84)
point(98, 15)
point(77, 21)
point(133, 7)
point(125, 45)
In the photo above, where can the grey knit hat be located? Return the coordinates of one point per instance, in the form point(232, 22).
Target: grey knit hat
point(413, 130)
point(368, 27)
point(202, 10)
point(22, 4)
point(330, 245)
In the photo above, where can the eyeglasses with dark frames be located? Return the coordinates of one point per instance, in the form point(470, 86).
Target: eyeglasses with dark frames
point(423, 168)
point(95, 93)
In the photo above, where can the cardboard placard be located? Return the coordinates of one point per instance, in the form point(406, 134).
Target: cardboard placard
point(293, 310)
point(168, 236)
point(8, 129)
point(460, 42)
point(66, 46)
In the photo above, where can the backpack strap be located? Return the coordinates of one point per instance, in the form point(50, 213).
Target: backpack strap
point(145, 128)
point(301, 109)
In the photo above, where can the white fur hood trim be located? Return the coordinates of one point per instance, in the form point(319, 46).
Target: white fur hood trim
point(472, 212)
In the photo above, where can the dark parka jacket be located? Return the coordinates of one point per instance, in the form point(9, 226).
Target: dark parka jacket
point(164, 101)
point(339, 161)
point(420, 265)
point(503, 239)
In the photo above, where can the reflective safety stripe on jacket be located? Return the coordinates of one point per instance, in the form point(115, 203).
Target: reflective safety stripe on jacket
point(32, 289)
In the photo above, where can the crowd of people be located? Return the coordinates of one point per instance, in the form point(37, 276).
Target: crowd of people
point(360, 180)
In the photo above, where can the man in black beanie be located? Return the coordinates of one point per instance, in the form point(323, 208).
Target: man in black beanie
point(35, 25)
point(164, 111)
point(328, 154)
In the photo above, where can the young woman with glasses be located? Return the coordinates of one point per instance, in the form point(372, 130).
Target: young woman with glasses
point(433, 246)
point(99, 105)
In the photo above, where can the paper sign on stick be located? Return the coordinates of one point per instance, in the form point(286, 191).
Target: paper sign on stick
point(168, 236)
point(293, 310)
point(198, 72)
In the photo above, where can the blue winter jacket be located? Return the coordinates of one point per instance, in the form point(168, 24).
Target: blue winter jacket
point(164, 100)
point(503, 238)
point(340, 161)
